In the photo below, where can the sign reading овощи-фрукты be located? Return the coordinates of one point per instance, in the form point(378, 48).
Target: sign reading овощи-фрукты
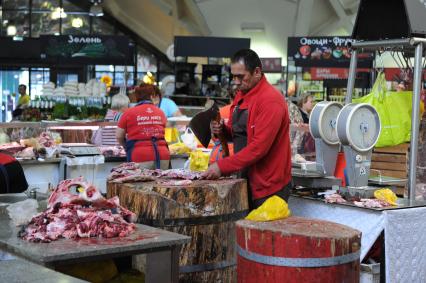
point(325, 51)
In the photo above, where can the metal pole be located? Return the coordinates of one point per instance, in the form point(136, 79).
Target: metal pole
point(415, 121)
point(351, 77)
point(384, 43)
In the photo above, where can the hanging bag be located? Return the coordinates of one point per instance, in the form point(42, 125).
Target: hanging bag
point(394, 110)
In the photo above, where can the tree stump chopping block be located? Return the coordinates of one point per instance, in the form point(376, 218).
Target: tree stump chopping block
point(204, 210)
point(297, 250)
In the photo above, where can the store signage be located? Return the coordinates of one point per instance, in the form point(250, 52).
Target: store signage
point(87, 49)
point(271, 65)
point(77, 39)
point(332, 73)
point(328, 51)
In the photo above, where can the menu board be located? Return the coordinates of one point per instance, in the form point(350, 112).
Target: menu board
point(327, 51)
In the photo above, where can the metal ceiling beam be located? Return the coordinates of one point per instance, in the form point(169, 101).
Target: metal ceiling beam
point(341, 13)
point(303, 17)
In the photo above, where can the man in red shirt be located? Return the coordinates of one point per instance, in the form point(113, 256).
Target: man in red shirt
point(259, 128)
point(144, 125)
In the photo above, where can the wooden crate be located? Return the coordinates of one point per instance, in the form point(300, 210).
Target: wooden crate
point(391, 161)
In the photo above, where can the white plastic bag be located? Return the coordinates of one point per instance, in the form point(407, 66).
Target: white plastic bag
point(22, 212)
point(189, 139)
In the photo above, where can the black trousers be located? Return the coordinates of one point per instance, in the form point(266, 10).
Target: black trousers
point(284, 193)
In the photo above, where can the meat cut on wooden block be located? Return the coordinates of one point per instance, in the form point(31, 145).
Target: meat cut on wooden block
point(297, 249)
point(205, 210)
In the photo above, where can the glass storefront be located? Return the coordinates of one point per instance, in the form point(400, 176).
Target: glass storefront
point(33, 18)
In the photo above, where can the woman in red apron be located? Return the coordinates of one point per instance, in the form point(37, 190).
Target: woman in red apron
point(141, 131)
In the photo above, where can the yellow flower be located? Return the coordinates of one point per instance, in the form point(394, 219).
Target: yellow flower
point(106, 80)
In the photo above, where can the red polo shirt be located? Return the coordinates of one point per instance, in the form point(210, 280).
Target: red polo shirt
point(141, 123)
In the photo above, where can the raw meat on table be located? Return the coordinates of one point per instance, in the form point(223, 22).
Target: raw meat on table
point(77, 209)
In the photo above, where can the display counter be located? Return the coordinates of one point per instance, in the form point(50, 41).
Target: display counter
point(404, 232)
point(46, 174)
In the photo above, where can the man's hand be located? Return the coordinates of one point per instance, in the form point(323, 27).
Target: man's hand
point(212, 173)
point(215, 127)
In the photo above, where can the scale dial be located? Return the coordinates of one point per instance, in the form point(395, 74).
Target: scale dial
point(322, 123)
point(358, 125)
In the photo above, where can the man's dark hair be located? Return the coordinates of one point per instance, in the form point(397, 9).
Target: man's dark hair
point(21, 85)
point(249, 57)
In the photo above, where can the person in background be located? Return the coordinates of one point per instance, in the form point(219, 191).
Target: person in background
point(306, 104)
point(259, 127)
point(106, 136)
point(12, 177)
point(225, 113)
point(23, 101)
point(119, 104)
point(168, 106)
point(141, 131)
point(296, 135)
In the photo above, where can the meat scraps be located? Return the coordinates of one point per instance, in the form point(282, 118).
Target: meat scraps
point(11, 148)
point(131, 172)
point(371, 203)
point(112, 151)
point(76, 209)
point(46, 140)
point(334, 198)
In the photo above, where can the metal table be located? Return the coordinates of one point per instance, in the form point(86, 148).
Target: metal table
point(162, 249)
point(403, 226)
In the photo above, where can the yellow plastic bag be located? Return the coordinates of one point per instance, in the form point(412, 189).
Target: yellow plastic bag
point(179, 148)
point(273, 208)
point(386, 195)
point(171, 135)
point(199, 161)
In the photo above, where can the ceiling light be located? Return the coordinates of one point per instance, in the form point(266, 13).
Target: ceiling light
point(96, 10)
point(11, 30)
point(58, 13)
point(77, 22)
point(253, 27)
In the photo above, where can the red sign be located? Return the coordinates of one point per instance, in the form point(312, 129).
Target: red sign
point(332, 73)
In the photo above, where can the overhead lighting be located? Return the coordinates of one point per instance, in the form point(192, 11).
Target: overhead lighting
point(11, 30)
point(77, 22)
point(58, 13)
point(96, 10)
point(253, 27)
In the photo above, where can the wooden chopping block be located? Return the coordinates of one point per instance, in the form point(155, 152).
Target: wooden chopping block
point(204, 210)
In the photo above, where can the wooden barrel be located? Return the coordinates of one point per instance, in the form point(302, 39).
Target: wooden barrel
point(204, 210)
point(297, 250)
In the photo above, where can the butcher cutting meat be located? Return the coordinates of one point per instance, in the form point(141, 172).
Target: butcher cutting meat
point(259, 128)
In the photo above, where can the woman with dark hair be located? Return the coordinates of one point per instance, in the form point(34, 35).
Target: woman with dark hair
point(144, 125)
